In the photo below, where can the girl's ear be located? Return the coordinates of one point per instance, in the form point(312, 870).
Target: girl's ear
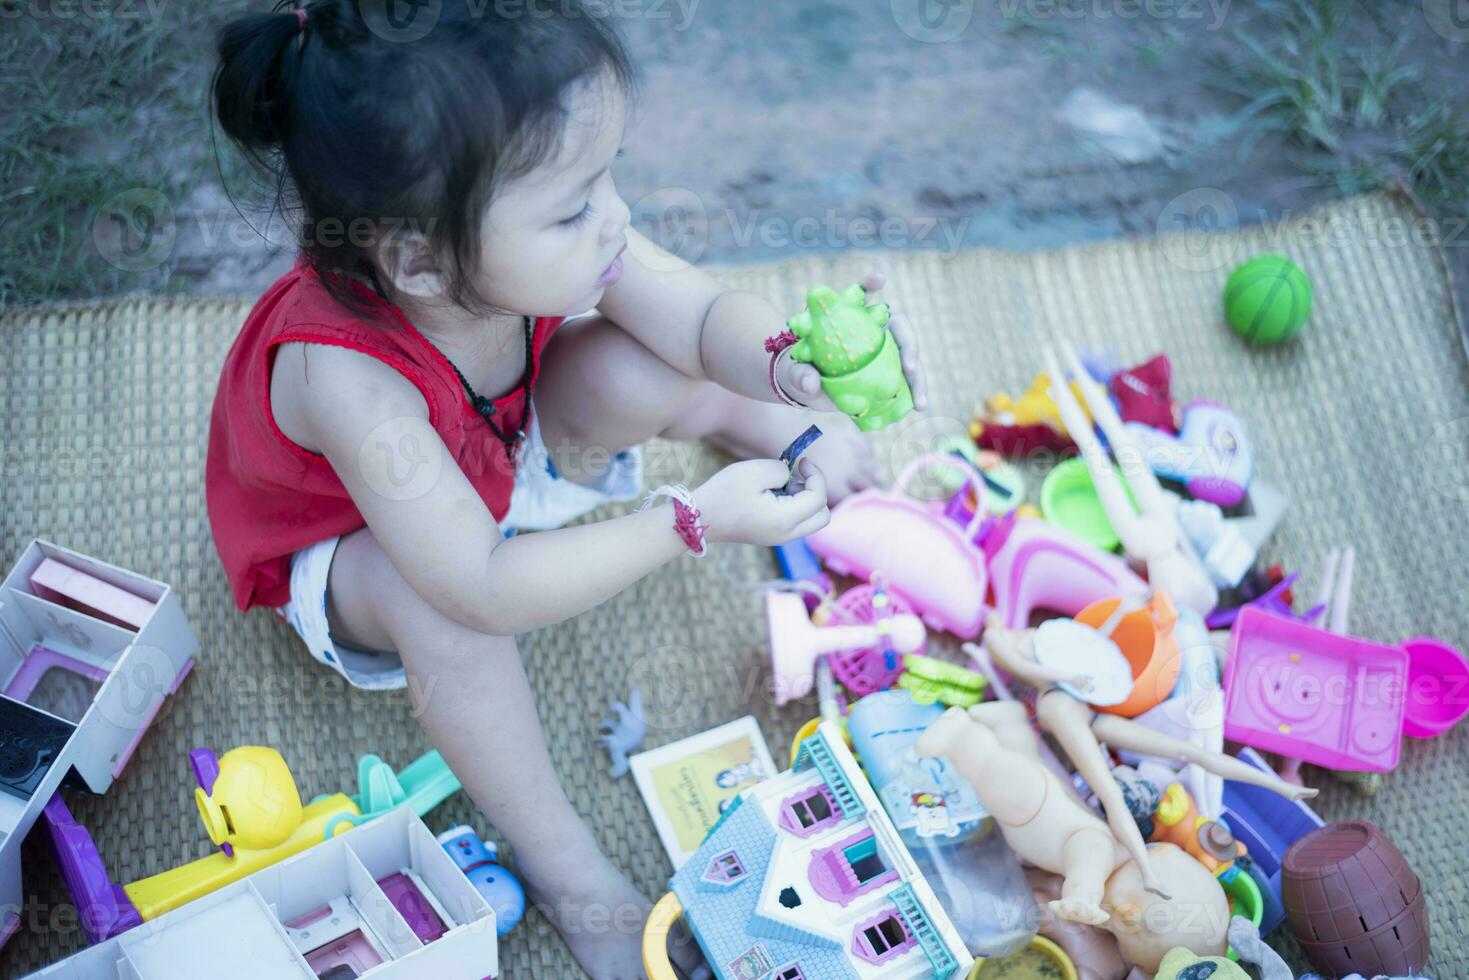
point(409, 264)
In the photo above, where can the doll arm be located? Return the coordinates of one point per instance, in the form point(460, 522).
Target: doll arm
point(708, 330)
point(1006, 648)
point(1011, 650)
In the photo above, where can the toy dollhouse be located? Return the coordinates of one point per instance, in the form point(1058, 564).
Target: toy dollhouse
point(88, 653)
point(805, 878)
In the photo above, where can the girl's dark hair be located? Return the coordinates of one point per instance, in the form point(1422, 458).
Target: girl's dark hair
point(381, 115)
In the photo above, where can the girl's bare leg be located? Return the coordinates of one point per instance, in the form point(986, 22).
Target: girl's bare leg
point(471, 695)
point(601, 391)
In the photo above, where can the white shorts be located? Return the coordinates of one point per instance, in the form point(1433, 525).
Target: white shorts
point(542, 500)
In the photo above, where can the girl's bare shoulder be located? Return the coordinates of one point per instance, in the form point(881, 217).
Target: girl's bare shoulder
point(320, 392)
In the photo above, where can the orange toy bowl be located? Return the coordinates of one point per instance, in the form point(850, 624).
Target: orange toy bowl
point(1153, 654)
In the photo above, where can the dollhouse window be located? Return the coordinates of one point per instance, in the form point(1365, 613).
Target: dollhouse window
point(789, 972)
point(883, 938)
point(725, 868)
point(852, 867)
point(809, 811)
point(863, 859)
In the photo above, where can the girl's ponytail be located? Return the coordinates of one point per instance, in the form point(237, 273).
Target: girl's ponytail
point(259, 59)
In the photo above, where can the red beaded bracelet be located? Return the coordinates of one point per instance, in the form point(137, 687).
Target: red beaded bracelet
point(686, 516)
point(777, 346)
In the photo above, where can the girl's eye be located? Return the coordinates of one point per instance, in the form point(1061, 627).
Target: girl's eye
point(580, 217)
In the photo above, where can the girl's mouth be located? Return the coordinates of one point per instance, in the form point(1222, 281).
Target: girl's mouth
point(613, 272)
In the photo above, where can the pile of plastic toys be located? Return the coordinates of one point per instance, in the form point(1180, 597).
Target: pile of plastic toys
point(1064, 803)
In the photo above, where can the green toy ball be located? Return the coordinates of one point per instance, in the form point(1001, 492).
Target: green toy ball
point(1267, 300)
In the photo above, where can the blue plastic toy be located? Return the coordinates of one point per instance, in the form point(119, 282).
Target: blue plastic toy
point(480, 863)
point(623, 734)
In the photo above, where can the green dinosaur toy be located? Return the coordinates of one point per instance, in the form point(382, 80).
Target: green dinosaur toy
point(860, 364)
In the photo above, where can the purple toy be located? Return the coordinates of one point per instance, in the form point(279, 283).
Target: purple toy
point(103, 907)
point(1267, 824)
point(1210, 455)
point(1305, 692)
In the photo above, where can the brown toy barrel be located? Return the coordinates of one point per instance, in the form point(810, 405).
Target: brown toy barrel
point(1354, 903)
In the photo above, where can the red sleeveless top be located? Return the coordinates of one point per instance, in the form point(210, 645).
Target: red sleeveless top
point(267, 496)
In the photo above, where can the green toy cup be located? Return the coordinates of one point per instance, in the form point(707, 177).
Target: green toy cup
point(1069, 499)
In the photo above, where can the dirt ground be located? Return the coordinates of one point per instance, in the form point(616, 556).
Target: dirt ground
point(771, 129)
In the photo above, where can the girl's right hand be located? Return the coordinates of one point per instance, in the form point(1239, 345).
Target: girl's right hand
point(737, 503)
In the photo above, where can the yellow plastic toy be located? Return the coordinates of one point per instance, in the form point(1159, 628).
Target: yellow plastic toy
point(253, 804)
point(178, 886)
point(253, 813)
point(1034, 407)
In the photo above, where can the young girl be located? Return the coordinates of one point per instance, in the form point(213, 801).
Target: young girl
point(413, 390)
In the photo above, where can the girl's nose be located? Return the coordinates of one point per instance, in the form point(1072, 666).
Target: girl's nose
point(615, 226)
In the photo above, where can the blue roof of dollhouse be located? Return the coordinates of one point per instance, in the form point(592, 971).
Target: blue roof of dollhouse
point(745, 830)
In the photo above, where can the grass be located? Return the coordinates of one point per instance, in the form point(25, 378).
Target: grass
point(97, 103)
point(1332, 79)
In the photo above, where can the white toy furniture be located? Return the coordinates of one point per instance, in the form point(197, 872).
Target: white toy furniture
point(88, 652)
point(356, 905)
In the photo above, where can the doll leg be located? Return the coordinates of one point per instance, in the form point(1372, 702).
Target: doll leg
point(1089, 856)
point(1126, 734)
point(601, 391)
point(1067, 719)
point(470, 693)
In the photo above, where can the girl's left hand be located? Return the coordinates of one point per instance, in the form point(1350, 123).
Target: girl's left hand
point(803, 381)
